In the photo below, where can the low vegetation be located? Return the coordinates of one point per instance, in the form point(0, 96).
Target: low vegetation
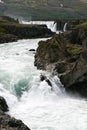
point(44, 9)
point(83, 26)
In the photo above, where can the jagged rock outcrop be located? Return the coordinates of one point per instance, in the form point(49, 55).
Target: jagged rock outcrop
point(67, 58)
point(7, 122)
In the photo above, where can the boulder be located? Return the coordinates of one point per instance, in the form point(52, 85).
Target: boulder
point(32, 50)
point(7, 122)
point(10, 123)
point(3, 105)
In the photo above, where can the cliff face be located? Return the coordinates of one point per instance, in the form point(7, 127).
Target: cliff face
point(66, 55)
point(11, 30)
point(7, 122)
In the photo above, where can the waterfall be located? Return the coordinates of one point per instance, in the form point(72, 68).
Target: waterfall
point(1, 1)
point(64, 28)
point(50, 24)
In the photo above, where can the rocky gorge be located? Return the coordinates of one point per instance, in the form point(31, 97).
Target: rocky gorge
point(65, 55)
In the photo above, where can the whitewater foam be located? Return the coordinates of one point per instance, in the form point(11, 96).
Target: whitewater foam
point(33, 101)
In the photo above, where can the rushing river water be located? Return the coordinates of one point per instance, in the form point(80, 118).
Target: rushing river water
point(33, 101)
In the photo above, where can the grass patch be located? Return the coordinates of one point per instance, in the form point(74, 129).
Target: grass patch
point(82, 26)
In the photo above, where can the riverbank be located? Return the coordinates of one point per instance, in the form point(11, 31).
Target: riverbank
point(11, 30)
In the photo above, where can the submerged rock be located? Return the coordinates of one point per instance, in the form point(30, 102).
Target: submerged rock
point(49, 83)
point(42, 77)
point(32, 50)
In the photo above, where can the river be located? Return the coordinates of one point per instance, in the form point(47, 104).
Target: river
point(33, 101)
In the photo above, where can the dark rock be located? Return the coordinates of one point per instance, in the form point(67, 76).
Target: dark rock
point(10, 19)
point(5, 38)
point(79, 87)
point(9, 123)
point(3, 105)
point(6, 121)
point(49, 83)
point(76, 36)
point(49, 52)
point(14, 123)
point(32, 50)
point(28, 31)
point(42, 77)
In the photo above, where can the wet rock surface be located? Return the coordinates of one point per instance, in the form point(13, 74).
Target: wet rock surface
point(43, 77)
point(7, 122)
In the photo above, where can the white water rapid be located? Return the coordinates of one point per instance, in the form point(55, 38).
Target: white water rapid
point(33, 101)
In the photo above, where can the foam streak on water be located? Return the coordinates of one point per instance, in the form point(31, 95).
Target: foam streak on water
point(33, 101)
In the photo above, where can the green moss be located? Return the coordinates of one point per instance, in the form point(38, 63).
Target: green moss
point(83, 26)
point(53, 44)
point(74, 49)
point(2, 30)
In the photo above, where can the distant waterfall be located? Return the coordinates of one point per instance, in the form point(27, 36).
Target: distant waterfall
point(50, 24)
point(1, 1)
point(64, 28)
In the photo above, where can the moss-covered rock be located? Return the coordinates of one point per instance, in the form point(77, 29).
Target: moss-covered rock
point(49, 52)
point(67, 58)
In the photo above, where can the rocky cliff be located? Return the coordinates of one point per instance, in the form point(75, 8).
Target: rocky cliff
point(66, 55)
